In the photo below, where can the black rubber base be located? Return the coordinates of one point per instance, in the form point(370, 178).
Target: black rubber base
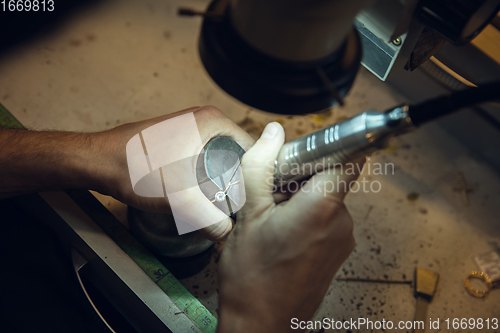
point(269, 84)
point(186, 267)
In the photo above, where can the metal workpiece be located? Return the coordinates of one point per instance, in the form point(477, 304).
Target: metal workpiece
point(219, 178)
point(342, 142)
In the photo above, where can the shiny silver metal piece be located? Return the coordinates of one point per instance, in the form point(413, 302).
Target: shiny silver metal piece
point(218, 173)
point(342, 142)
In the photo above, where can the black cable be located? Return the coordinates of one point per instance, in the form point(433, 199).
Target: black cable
point(487, 117)
point(443, 105)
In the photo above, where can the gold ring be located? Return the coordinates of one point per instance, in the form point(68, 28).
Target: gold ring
point(481, 276)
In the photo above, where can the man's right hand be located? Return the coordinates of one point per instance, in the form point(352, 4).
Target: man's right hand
point(280, 258)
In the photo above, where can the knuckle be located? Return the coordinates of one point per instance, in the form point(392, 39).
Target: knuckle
point(344, 221)
point(350, 246)
point(333, 216)
point(349, 229)
point(330, 204)
point(209, 111)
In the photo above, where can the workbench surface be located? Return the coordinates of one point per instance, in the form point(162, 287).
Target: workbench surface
point(120, 61)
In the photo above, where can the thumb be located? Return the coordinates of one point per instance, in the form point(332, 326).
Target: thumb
point(258, 166)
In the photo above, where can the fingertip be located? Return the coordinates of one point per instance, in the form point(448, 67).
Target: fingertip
point(361, 164)
point(358, 166)
point(269, 143)
point(218, 231)
point(271, 130)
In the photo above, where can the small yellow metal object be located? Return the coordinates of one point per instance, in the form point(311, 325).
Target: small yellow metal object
point(425, 282)
point(481, 276)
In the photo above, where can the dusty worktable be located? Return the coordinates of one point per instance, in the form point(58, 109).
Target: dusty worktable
point(123, 61)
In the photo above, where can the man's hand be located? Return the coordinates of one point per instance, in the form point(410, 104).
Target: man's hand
point(280, 258)
point(115, 178)
point(37, 161)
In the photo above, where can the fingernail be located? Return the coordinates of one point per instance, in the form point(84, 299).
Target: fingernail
point(270, 131)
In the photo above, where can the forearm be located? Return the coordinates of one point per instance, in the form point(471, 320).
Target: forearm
point(33, 161)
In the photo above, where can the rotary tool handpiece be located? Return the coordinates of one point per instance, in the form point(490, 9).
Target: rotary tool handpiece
point(339, 143)
point(342, 142)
